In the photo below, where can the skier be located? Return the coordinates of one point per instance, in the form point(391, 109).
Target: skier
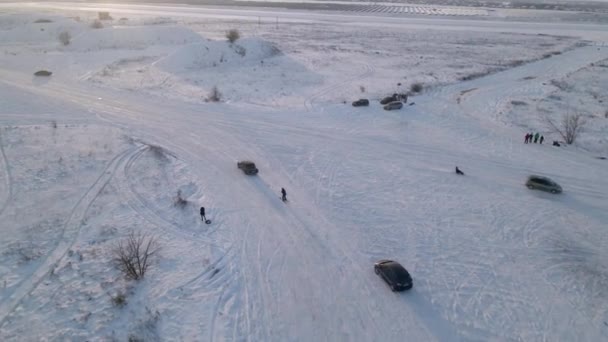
point(542, 138)
point(458, 172)
point(283, 195)
point(536, 137)
point(203, 214)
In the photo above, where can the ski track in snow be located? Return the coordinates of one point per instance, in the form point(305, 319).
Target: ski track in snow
point(68, 236)
point(8, 187)
point(259, 263)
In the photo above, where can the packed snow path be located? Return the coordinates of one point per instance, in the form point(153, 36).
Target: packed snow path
point(490, 259)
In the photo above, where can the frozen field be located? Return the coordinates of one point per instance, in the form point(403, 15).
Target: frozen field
point(103, 146)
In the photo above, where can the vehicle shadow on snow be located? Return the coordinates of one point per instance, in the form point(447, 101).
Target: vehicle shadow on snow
point(428, 315)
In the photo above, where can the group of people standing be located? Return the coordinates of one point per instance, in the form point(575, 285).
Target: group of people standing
point(534, 137)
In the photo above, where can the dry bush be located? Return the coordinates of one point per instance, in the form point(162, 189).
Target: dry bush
point(233, 35)
point(570, 128)
point(104, 16)
point(65, 38)
point(97, 24)
point(42, 21)
point(214, 95)
point(180, 201)
point(362, 88)
point(133, 254)
point(119, 300)
point(416, 87)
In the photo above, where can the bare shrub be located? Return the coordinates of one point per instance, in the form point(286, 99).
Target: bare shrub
point(42, 21)
point(180, 201)
point(97, 24)
point(233, 35)
point(158, 152)
point(65, 38)
point(362, 88)
point(570, 127)
point(416, 88)
point(241, 51)
point(214, 95)
point(104, 16)
point(133, 254)
point(54, 124)
point(119, 300)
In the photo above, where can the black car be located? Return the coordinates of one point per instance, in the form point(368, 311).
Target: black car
point(389, 99)
point(395, 275)
point(361, 102)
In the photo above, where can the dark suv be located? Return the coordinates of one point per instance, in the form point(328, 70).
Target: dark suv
point(361, 102)
point(395, 275)
point(248, 167)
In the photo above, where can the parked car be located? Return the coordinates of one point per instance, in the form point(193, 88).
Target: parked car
point(544, 184)
point(248, 167)
point(394, 105)
point(395, 275)
point(389, 99)
point(361, 102)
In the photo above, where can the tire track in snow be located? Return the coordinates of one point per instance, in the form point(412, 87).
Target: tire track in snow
point(68, 237)
point(309, 103)
point(7, 176)
point(140, 205)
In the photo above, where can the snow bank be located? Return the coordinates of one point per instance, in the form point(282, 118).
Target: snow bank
point(36, 29)
point(212, 53)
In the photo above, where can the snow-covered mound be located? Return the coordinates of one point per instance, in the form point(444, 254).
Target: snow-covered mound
point(134, 37)
point(27, 29)
point(213, 53)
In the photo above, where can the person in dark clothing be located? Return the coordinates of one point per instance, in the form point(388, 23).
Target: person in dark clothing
point(536, 137)
point(527, 138)
point(203, 214)
point(283, 194)
point(458, 172)
point(542, 138)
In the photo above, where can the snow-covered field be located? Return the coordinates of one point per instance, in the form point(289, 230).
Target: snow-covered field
point(103, 146)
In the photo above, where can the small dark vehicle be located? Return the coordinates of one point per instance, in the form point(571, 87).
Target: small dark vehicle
point(43, 73)
point(248, 167)
point(544, 184)
point(361, 102)
point(388, 99)
point(394, 105)
point(395, 275)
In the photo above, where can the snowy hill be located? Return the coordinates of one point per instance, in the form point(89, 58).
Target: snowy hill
point(121, 139)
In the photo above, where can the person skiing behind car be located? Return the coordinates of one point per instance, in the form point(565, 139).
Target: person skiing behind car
point(203, 217)
point(542, 138)
point(283, 195)
point(536, 137)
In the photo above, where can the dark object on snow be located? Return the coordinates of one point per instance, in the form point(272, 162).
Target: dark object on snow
point(208, 221)
point(393, 105)
point(203, 215)
point(283, 195)
point(43, 73)
point(544, 184)
point(248, 167)
point(542, 138)
point(536, 136)
point(556, 143)
point(393, 98)
point(388, 99)
point(395, 275)
point(458, 172)
point(602, 158)
point(413, 103)
point(361, 102)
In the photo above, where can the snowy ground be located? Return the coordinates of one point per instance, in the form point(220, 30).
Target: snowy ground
point(102, 147)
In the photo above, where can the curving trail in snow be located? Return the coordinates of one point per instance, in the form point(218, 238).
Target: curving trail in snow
point(488, 256)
